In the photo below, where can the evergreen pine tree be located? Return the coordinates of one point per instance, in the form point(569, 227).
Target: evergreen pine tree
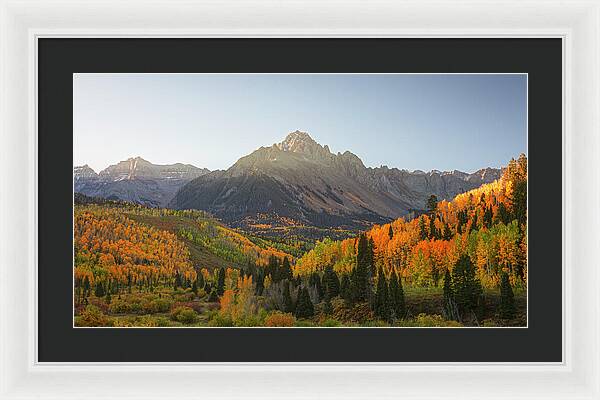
point(466, 287)
point(507, 298)
point(331, 283)
point(382, 302)
point(304, 307)
point(432, 203)
point(449, 302)
point(200, 280)
point(287, 298)
point(286, 269)
point(422, 230)
point(315, 280)
point(345, 288)
point(99, 291)
point(370, 259)
point(108, 297)
point(397, 301)
point(86, 287)
point(447, 235)
point(360, 274)
point(391, 232)
point(273, 269)
point(221, 282)
point(487, 217)
point(259, 278)
point(195, 287)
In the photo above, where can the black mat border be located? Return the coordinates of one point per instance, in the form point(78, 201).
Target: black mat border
point(58, 59)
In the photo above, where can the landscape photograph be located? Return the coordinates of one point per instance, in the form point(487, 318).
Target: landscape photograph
point(299, 200)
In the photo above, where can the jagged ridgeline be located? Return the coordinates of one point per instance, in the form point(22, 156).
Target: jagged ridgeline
point(487, 224)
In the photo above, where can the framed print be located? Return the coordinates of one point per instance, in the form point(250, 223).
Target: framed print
point(291, 234)
point(284, 205)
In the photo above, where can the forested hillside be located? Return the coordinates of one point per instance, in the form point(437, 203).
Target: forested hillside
point(461, 262)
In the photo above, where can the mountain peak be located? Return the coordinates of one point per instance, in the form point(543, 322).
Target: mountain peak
point(298, 142)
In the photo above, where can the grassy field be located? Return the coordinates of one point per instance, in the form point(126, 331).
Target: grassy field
point(166, 307)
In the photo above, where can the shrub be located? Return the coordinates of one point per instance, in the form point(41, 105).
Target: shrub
point(93, 316)
point(330, 322)
point(184, 315)
point(119, 307)
point(157, 306)
point(277, 318)
point(219, 320)
point(426, 320)
point(303, 323)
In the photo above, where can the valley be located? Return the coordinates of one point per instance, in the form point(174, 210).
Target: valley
point(294, 235)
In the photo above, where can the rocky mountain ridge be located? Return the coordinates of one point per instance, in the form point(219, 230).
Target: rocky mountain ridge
point(135, 180)
point(302, 180)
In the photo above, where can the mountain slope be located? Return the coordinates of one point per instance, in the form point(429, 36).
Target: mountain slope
point(135, 180)
point(301, 180)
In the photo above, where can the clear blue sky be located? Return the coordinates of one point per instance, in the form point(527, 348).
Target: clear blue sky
point(443, 122)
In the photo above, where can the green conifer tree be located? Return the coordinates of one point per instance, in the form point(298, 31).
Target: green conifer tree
point(286, 269)
point(315, 280)
point(507, 298)
point(382, 302)
point(99, 291)
point(398, 304)
point(360, 274)
point(287, 298)
point(304, 307)
point(221, 282)
point(422, 230)
point(466, 287)
point(331, 283)
point(346, 289)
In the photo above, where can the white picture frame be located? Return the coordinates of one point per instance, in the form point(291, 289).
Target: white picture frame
point(23, 22)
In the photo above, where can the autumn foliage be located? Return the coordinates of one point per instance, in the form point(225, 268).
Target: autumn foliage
point(487, 224)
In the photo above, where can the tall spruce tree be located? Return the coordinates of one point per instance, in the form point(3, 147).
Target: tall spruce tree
point(304, 307)
point(273, 268)
point(86, 287)
point(382, 301)
point(221, 282)
point(398, 303)
point(391, 232)
point(432, 203)
point(466, 287)
point(507, 308)
point(449, 302)
point(315, 280)
point(200, 280)
point(346, 288)
point(360, 274)
point(331, 283)
point(422, 230)
point(285, 271)
point(287, 298)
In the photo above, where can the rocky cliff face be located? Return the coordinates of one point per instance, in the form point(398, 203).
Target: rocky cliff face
point(135, 180)
point(302, 180)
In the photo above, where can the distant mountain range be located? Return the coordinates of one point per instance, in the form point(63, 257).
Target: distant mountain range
point(302, 181)
point(298, 181)
point(135, 180)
